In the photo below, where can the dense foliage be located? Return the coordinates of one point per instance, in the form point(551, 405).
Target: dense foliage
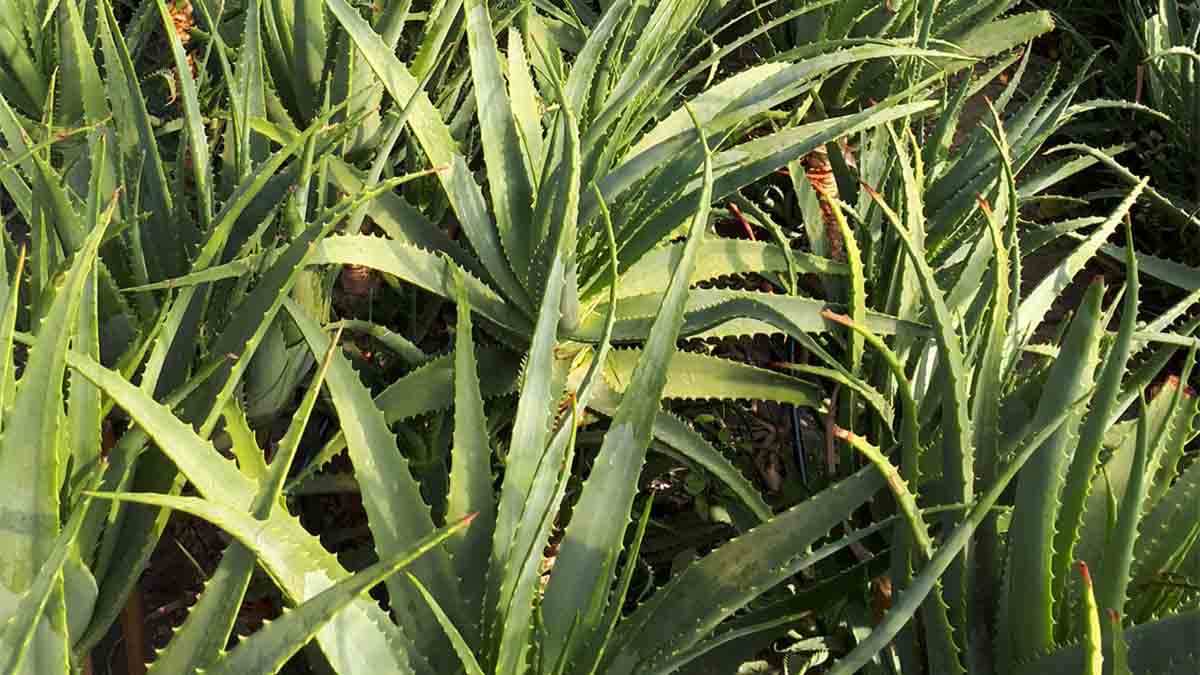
point(503, 277)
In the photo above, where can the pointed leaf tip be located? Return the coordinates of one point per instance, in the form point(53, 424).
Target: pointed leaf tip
point(1083, 572)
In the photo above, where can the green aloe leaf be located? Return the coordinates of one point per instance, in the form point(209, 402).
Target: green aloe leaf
point(296, 560)
point(1093, 646)
point(30, 452)
point(906, 605)
point(510, 178)
point(33, 460)
point(531, 488)
point(204, 634)
point(193, 120)
point(1027, 618)
point(1037, 302)
point(593, 538)
point(427, 389)
point(396, 513)
point(470, 473)
point(463, 650)
point(8, 322)
point(138, 141)
point(958, 451)
point(1084, 462)
point(430, 271)
point(1114, 575)
point(724, 313)
point(655, 637)
point(695, 376)
point(676, 437)
point(434, 136)
point(247, 94)
point(267, 650)
point(719, 257)
point(35, 623)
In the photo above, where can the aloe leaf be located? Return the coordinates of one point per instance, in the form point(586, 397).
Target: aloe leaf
point(585, 388)
point(33, 460)
point(12, 306)
point(956, 191)
point(267, 650)
point(252, 322)
point(1028, 612)
point(29, 629)
point(556, 214)
point(87, 100)
point(436, 33)
point(1162, 539)
point(396, 513)
point(1178, 213)
point(1113, 478)
point(48, 190)
point(958, 454)
point(593, 537)
point(84, 406)
point(470, 473)
point(912, 450)
point(526, 106)
point(435, 139)
point(523, 579)
point(239, 267)
point(194, 122)
point(402, 221)
point(988, 381)
point(510, 178)
point(581, 80)
point(1035, 305)
point(906, 605)
point(404, 348)
point(900, 488)
point(678, 438)
point(248, 92)
point(463, 650)
point(1114, 578)
point(723, 313)
point(655, 636)
point(1120, 649)
point(137, 139)
point(720, 257)
point(204, 634)
point(1092, 640)
point(532, 470)
point(740, 165)
point(178, 316)
point(31, 457)
point(1174, 273)
point(297, 562)
point(695, 376)
point(243, 444)
point(427, 270)
point(426, 389)
point(668, 429)
point(620, 594)
point(1078, 483)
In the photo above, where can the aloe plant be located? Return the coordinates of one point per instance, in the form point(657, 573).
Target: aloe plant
point(992, 592)
point(488, 606)
point(177, 271)
point(541, 169)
